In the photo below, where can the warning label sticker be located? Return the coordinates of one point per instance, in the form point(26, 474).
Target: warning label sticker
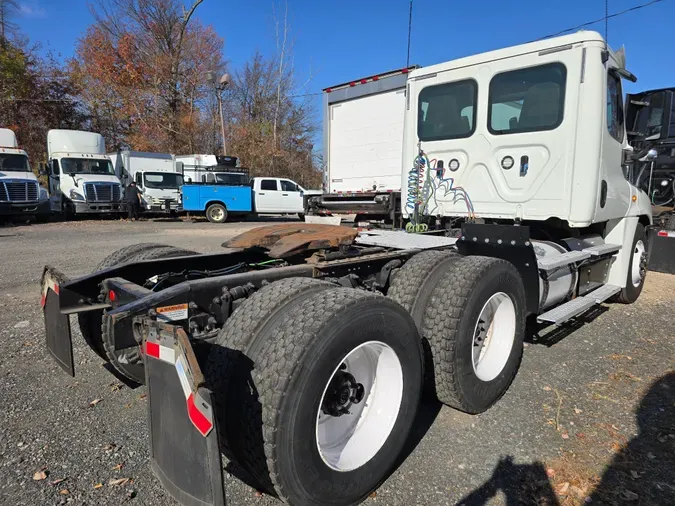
point(172, 313)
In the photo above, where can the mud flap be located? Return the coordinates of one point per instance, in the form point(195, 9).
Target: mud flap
point(184, 449)
point(662, 251)
point(57, 325)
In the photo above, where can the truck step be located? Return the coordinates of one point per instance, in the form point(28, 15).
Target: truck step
point(602, 249)
point(564, 312)
point(553, 262)
point(603, 293)
point(575, 307)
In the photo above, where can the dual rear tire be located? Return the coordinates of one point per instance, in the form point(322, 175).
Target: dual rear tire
point(317, 387)
point(471, 315)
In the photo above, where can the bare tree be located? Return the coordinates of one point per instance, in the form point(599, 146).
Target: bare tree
point(8, 11)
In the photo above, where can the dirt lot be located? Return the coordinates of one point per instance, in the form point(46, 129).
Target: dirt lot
point(590, 417)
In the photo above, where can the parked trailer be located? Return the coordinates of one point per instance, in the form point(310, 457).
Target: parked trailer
point(362, 137)
point(301, 353)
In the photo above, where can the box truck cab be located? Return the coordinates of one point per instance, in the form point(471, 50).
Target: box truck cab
point(157, 175)
point(20, 192)
point(82, 179)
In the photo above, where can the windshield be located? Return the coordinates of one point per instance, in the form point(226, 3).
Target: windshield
point(164, 180)
point(13, 161)
point(86, 166)
point(231, 179)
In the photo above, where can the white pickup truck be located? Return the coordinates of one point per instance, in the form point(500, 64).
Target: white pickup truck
point(263, 195)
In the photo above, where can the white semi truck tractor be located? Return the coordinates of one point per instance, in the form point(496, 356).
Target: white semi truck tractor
point(82, 179)
point(20, 193)
point(301, 353)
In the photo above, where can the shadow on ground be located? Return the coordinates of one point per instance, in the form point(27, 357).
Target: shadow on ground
point(643, 471)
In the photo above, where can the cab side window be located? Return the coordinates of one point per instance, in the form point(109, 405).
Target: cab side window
point(268, 184)
point(615, 121)
point(288, 186)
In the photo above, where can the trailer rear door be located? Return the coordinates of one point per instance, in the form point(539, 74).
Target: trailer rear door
point(364, 134)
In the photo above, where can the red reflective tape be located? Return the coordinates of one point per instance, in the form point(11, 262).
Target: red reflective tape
point(404, 71)
point(328, 90)
point(663, 233)
point(352, 84)
point(43, 300)
point(376, 78)
point(197, 418)
point(364, 81)
point(56, 289)
point(151, 349)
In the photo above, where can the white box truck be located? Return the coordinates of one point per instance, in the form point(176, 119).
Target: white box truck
point(363, 142)
point(20, 192)
point(157, 175)
point(82, 179)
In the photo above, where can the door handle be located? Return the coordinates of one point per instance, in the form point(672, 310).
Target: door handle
point(260, 193)
point(284, 194)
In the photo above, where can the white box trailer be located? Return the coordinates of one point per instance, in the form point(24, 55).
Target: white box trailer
point(363, 142)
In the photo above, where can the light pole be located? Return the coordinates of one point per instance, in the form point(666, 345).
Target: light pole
point(219, 87)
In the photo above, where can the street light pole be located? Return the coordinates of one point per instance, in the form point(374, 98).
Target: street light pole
point(219, 87)
point(222, 120)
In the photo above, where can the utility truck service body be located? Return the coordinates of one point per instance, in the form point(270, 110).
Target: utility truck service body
point(156, 174)
point(20, 191)
point(302, 353)
point(259, 195)
point(82, 178)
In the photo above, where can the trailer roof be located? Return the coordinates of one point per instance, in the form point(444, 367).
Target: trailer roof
point(369, 79)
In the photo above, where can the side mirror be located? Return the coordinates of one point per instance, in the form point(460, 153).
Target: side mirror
point(652, 154)
point(42, 169)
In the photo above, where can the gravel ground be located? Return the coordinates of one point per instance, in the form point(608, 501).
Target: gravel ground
point(590, 416)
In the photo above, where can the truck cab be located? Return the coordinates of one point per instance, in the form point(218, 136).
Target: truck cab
point(278, 196)
point(82, 178)
point(157, 175)
point(20, 191)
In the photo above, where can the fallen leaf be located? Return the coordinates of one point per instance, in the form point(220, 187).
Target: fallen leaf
point(577, 411)
point(40, 475)
point(373, 495)
point(142, 396)
point(117, 467)
point(127, 405)
point(114, 387)
point(635, 474)
point(108, 447)
point(98, 485)
point(258, 493)
point(581, 435)
point(547, 388)
point(565, 435)
point(118, 481)
point(550, 472)
point(56, 482)
point(629, 496)
point(64, 491)
point(95, 402)
point(562, 488)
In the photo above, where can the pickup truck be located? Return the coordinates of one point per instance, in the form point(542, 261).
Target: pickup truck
point(263, 195)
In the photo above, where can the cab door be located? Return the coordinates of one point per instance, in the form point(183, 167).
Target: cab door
point(268, 196)
point(291, 197)
point(54, 186)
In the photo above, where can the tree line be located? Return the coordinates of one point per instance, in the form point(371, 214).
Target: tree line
point(140, 76)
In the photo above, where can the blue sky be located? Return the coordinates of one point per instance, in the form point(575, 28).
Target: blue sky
point(341, 40)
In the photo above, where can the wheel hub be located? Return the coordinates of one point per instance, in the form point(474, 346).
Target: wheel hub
point(343, 391)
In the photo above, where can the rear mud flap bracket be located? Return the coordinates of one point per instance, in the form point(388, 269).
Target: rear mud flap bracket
point(57, 324)
point(184, 447)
